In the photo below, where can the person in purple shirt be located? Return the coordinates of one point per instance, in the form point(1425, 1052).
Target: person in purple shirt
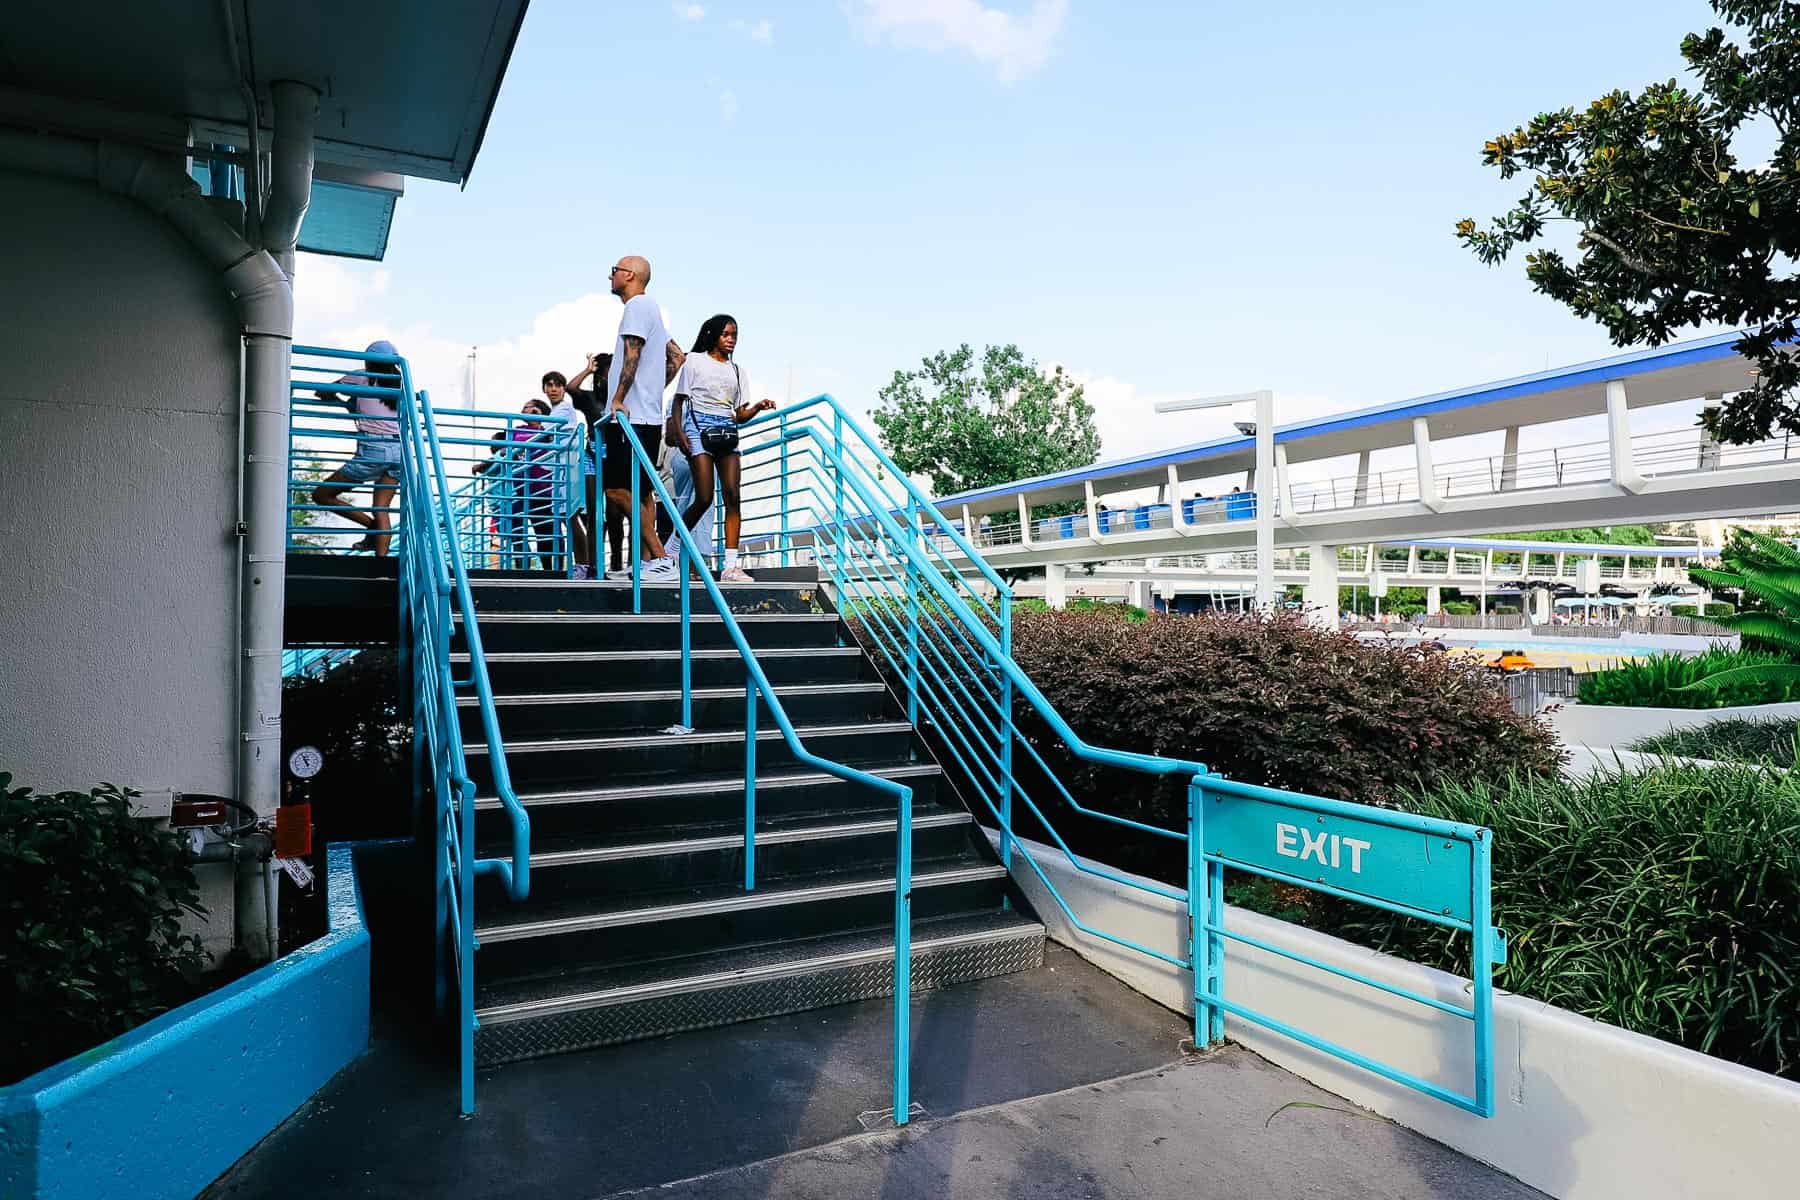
point(377, 458)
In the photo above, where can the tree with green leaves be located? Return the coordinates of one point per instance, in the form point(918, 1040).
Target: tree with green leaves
point(1683, 219)
point(969, 423)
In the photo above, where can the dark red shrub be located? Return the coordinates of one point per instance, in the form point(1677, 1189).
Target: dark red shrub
point(1277, 702)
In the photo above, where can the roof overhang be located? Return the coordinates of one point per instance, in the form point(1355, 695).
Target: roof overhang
point(405, 86)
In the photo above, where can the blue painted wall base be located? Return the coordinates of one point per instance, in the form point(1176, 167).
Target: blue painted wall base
point(163, 1110)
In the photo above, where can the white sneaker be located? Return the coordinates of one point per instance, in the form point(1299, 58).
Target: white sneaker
point(661, 569)
point(735, 574)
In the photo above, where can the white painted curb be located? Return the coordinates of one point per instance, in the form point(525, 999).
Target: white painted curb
point(1584, 1111)
point(1601, 726)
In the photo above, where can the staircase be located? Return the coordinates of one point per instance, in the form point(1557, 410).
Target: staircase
point(638, 921)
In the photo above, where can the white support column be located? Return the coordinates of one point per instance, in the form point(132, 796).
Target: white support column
point(968, 527)
point(1412, 560)
point(1625, 475)
point(1709, 449)
point(1284, 487)
point(1509, 460)
point(1428, 493)
point(1025, 538)
point(1093, 509)
point(1056, 585)
point(1434, 600)
point(1138, 594)
point(1362, 481)
point(1177, 506)
point(1541, 603)
point(1265, 501)
point(1561, 557)
point(1321, 598)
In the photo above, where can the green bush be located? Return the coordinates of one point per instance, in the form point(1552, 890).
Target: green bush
point(1270, 701)
point(1459, 608)
point(1717, 609)
point(1660, 680)
point(90, 936)
point(1733, 740)
point(1665, 902)
point(1683, 610)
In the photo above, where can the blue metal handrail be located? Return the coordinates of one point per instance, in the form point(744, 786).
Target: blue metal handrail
point(949, 652)
point(758, 685)
point(433, 577)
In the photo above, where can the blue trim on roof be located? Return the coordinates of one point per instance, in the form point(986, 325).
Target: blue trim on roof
point(1621, 366)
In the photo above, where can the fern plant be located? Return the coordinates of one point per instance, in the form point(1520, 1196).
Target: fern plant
point(1766, 570)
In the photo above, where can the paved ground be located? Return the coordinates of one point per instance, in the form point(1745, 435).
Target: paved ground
point(1053, 1083)
point(1200, 1129)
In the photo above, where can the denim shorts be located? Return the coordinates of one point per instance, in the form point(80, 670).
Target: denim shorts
point(375, 457)
point(693, 423)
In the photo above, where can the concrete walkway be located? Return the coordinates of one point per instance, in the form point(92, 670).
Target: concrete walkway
point(1058, 1082)
point(1226, 1125)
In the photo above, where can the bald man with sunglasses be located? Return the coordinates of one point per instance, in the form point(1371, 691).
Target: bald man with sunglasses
point(637, 391)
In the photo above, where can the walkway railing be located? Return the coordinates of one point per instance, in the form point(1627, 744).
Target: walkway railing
point(434, 584)
point(816, 485)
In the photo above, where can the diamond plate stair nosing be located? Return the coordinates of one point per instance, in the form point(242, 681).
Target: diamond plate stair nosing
point(728, 999)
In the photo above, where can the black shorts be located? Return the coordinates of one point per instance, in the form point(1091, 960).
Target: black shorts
point(616, 467)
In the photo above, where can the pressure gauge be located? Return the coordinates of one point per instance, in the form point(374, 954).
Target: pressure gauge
point(305, 762)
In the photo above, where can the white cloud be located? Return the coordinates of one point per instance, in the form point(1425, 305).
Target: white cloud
point(1014, 45)
point(763, 31)
point(728, 106)
point(689, 12)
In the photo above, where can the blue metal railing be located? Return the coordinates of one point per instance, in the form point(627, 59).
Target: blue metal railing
point(817, 486)
point(757, 685)
point(434, 582)
point(315, 661)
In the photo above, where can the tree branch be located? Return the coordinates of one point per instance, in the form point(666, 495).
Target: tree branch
point(1652, 217)
point(1625, 256)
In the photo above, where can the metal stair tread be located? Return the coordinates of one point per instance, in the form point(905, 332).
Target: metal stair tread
point(575, 849)
point(652, 740)
point(610, 585)
point(595, 985)
point(461, 657)
point(704, 785)
point(563, 616)
point(851, 687)
point(577, 914)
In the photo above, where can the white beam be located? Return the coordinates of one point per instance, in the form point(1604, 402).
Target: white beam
point(1056, 585)
point(1428, 493)
point(1265, 501)
point(1321, 597)
point(1361, 496)
point(1625, 475)
point(1509, 460)
point(1093, 509)
point(1024, 522)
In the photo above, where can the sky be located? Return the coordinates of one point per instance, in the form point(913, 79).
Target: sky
point(1168, 199)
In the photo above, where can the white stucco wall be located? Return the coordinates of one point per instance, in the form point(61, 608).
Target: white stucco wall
point(118, 439)
point(1583, 1111)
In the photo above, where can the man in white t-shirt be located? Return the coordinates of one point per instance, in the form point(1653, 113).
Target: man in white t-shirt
point(635, 385)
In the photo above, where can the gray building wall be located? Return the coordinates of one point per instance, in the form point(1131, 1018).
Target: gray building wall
point(118, 440)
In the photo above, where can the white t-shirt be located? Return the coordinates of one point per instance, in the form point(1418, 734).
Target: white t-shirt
point(644, 403)
point(713, 388)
